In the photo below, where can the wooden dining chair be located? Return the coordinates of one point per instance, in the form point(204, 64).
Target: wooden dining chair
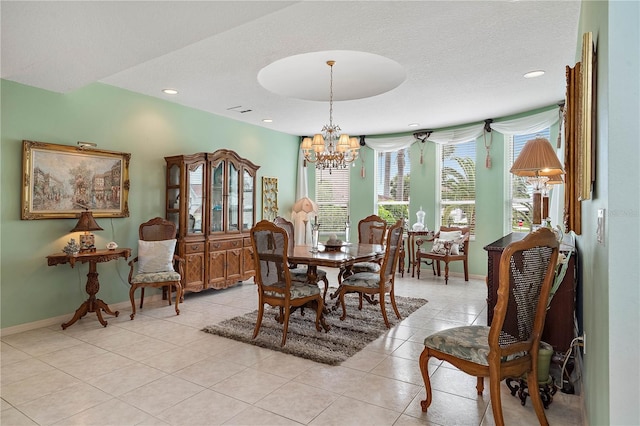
point(449, 244)
point(371, 230)
point(509, 347)
point(273, 280)
point(377, 283)
point(300, 273)
point(155, 266)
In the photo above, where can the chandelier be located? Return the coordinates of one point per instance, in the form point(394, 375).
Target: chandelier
point(330, 149)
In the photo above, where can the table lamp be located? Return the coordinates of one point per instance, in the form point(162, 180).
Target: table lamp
point(537, 162)
point(305, 205)
point(85, 224)
point(553, 180)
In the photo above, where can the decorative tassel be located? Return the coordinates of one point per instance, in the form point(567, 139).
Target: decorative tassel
point(363, 172)
point(421, 157)
point(487, 162)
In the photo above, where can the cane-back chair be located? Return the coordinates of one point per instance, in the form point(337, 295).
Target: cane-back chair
point(377, 283)
point(273, 280)
point(155, 265)
point(509, 347)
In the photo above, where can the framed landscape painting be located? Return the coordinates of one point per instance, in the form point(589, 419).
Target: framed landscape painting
point(60, 181)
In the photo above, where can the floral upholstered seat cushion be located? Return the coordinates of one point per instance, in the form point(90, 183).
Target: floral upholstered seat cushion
point(156, 277)
point(469, 342)
point(298, 290)
point(300, 274)
point(363, 279)
point(365, 267)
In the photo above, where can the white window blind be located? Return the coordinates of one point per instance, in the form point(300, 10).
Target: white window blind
point(393, 170)
point(520, 192)
point(332, 196)
point(458, 185)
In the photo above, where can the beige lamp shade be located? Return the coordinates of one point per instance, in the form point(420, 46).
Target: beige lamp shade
point(555, 180)
point(537, 158)
point(306, 205)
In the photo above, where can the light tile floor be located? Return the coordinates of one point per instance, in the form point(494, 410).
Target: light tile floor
point(160, 369)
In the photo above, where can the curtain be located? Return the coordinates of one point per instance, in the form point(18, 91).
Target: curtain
point(389, 144)
point(572, 206)
point(459, 135)
point(302, 190)
point(525, 125)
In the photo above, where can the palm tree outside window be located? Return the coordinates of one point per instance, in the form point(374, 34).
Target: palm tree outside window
point(458, 185)
point(393, 170)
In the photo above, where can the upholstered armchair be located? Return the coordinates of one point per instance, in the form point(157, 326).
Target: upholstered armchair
point(156, 264)
point(449, 244)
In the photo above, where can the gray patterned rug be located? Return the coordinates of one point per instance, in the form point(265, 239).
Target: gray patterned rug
point(343, 340)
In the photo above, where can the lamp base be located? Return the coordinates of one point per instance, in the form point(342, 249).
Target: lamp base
point(87, 243)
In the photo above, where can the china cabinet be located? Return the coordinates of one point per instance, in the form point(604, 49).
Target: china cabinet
point(211, 198)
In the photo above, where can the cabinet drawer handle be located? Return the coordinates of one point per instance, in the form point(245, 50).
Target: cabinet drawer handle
point(216, 245)
point(235, 243)
point(194, 247)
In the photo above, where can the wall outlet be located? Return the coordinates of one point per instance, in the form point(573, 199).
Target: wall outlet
point(600, 226)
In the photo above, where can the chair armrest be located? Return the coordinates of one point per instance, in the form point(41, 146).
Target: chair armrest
point(131, 264)
point(180, 261)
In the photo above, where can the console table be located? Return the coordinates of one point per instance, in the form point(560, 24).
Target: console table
point(93, 286)
point(559, 324)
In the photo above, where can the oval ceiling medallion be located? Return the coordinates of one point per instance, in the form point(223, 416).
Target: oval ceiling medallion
point(356, 75)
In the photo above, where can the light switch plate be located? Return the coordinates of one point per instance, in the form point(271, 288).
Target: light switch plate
point(600, 226)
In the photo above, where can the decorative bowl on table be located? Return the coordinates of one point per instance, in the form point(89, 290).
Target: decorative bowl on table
point(333, 244)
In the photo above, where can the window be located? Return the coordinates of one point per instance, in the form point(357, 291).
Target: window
point(393, 170)
point(332, 196)
point(520, 195)
point(458, 185)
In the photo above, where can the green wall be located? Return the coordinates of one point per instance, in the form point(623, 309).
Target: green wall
point(116, 120)
point(610, 277)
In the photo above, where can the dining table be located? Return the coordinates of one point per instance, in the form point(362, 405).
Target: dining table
point(342, 257)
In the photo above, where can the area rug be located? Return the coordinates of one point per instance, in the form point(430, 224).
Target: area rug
point(344, 339)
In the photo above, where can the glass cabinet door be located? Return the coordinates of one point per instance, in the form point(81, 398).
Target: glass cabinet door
point(233, 198)
point(217, 194)
point(247, 200)
point(173, 194)
point(195, 180)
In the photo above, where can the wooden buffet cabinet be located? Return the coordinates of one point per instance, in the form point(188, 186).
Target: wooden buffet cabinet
point(559, 324)
point(211, 197)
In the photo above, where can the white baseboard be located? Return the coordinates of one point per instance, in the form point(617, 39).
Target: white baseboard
point(66, 317)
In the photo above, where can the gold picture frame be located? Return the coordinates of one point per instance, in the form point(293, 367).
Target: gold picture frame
point(586, 135)
point(269, 198)
point(61, 181)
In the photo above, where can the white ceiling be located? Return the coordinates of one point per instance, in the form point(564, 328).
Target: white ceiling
point(463, 61)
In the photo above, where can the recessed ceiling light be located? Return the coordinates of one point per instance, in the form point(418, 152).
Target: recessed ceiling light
point(170, 91)
point(414, 124)
point(267, 120)
point(534, 74)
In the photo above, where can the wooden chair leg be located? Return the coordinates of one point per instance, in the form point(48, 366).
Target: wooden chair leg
point(466, 270)
point(383, 308)
point(178, 296)
point(480, 385)
point(287, 312)
point(133, 303)
point(424, 369)
point(446, 273)
point(496, 401)
point(534, 392)
point(417, 266)
point(258, 319)
point(141, 297)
